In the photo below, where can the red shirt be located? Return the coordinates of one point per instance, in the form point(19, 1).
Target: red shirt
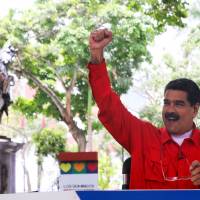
point(148, 145)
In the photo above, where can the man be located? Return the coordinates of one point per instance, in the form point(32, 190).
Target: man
point(162, 158)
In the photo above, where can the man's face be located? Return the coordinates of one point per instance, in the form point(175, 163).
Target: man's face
point(177, 113)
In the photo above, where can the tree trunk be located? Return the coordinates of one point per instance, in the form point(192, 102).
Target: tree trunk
point(89, 121)
point(40, 161)
point(26, 172)
point(77, 133)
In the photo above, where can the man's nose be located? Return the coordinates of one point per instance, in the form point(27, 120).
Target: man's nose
point(171, 107)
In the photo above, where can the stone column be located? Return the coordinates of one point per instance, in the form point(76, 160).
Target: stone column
point(7, 164)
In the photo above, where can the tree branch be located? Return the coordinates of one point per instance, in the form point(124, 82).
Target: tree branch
point(42, 86)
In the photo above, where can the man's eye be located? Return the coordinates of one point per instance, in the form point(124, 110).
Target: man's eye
point(179, 104)
point(166, 102)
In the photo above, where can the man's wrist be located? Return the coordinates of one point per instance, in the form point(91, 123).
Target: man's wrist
point(96, 56)
point(96, 61)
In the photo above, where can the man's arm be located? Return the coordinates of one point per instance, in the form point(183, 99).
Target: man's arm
point(98, 76)
point(123, 126)
point(109, 104)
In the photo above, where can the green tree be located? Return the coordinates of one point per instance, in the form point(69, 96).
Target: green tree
point(109, 162)
point(20, 129)
point(105, 171)
point(48, 142)
point(52, 38)
point(187, 66)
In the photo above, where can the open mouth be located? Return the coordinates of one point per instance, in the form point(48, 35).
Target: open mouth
point(172, 117)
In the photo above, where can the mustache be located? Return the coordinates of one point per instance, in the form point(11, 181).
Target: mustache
point(172, 116)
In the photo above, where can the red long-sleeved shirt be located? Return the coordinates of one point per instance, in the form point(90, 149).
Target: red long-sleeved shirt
point(147, 144)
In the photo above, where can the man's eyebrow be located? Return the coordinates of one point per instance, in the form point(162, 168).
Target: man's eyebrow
point(179, 101)
point(176, 101)
point(165, 99)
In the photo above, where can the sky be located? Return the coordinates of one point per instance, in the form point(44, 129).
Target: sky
point(5, 5)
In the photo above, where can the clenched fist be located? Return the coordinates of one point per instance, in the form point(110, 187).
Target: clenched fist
point(97, 41)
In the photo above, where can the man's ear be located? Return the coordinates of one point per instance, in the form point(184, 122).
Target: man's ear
point(196, 108)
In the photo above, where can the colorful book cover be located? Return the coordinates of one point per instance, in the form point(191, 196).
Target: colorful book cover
point(79, 170)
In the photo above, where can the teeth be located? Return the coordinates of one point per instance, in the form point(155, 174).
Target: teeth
point(171, 118)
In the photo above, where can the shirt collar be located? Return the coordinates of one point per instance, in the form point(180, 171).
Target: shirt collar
point(196, 136)
point(165, 136)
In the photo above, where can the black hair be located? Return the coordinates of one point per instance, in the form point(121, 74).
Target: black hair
point(188, 86)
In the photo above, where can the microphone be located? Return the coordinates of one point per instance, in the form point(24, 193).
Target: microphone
point(126, 168)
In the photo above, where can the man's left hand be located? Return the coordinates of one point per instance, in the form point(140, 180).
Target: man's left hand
point(195, 172)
